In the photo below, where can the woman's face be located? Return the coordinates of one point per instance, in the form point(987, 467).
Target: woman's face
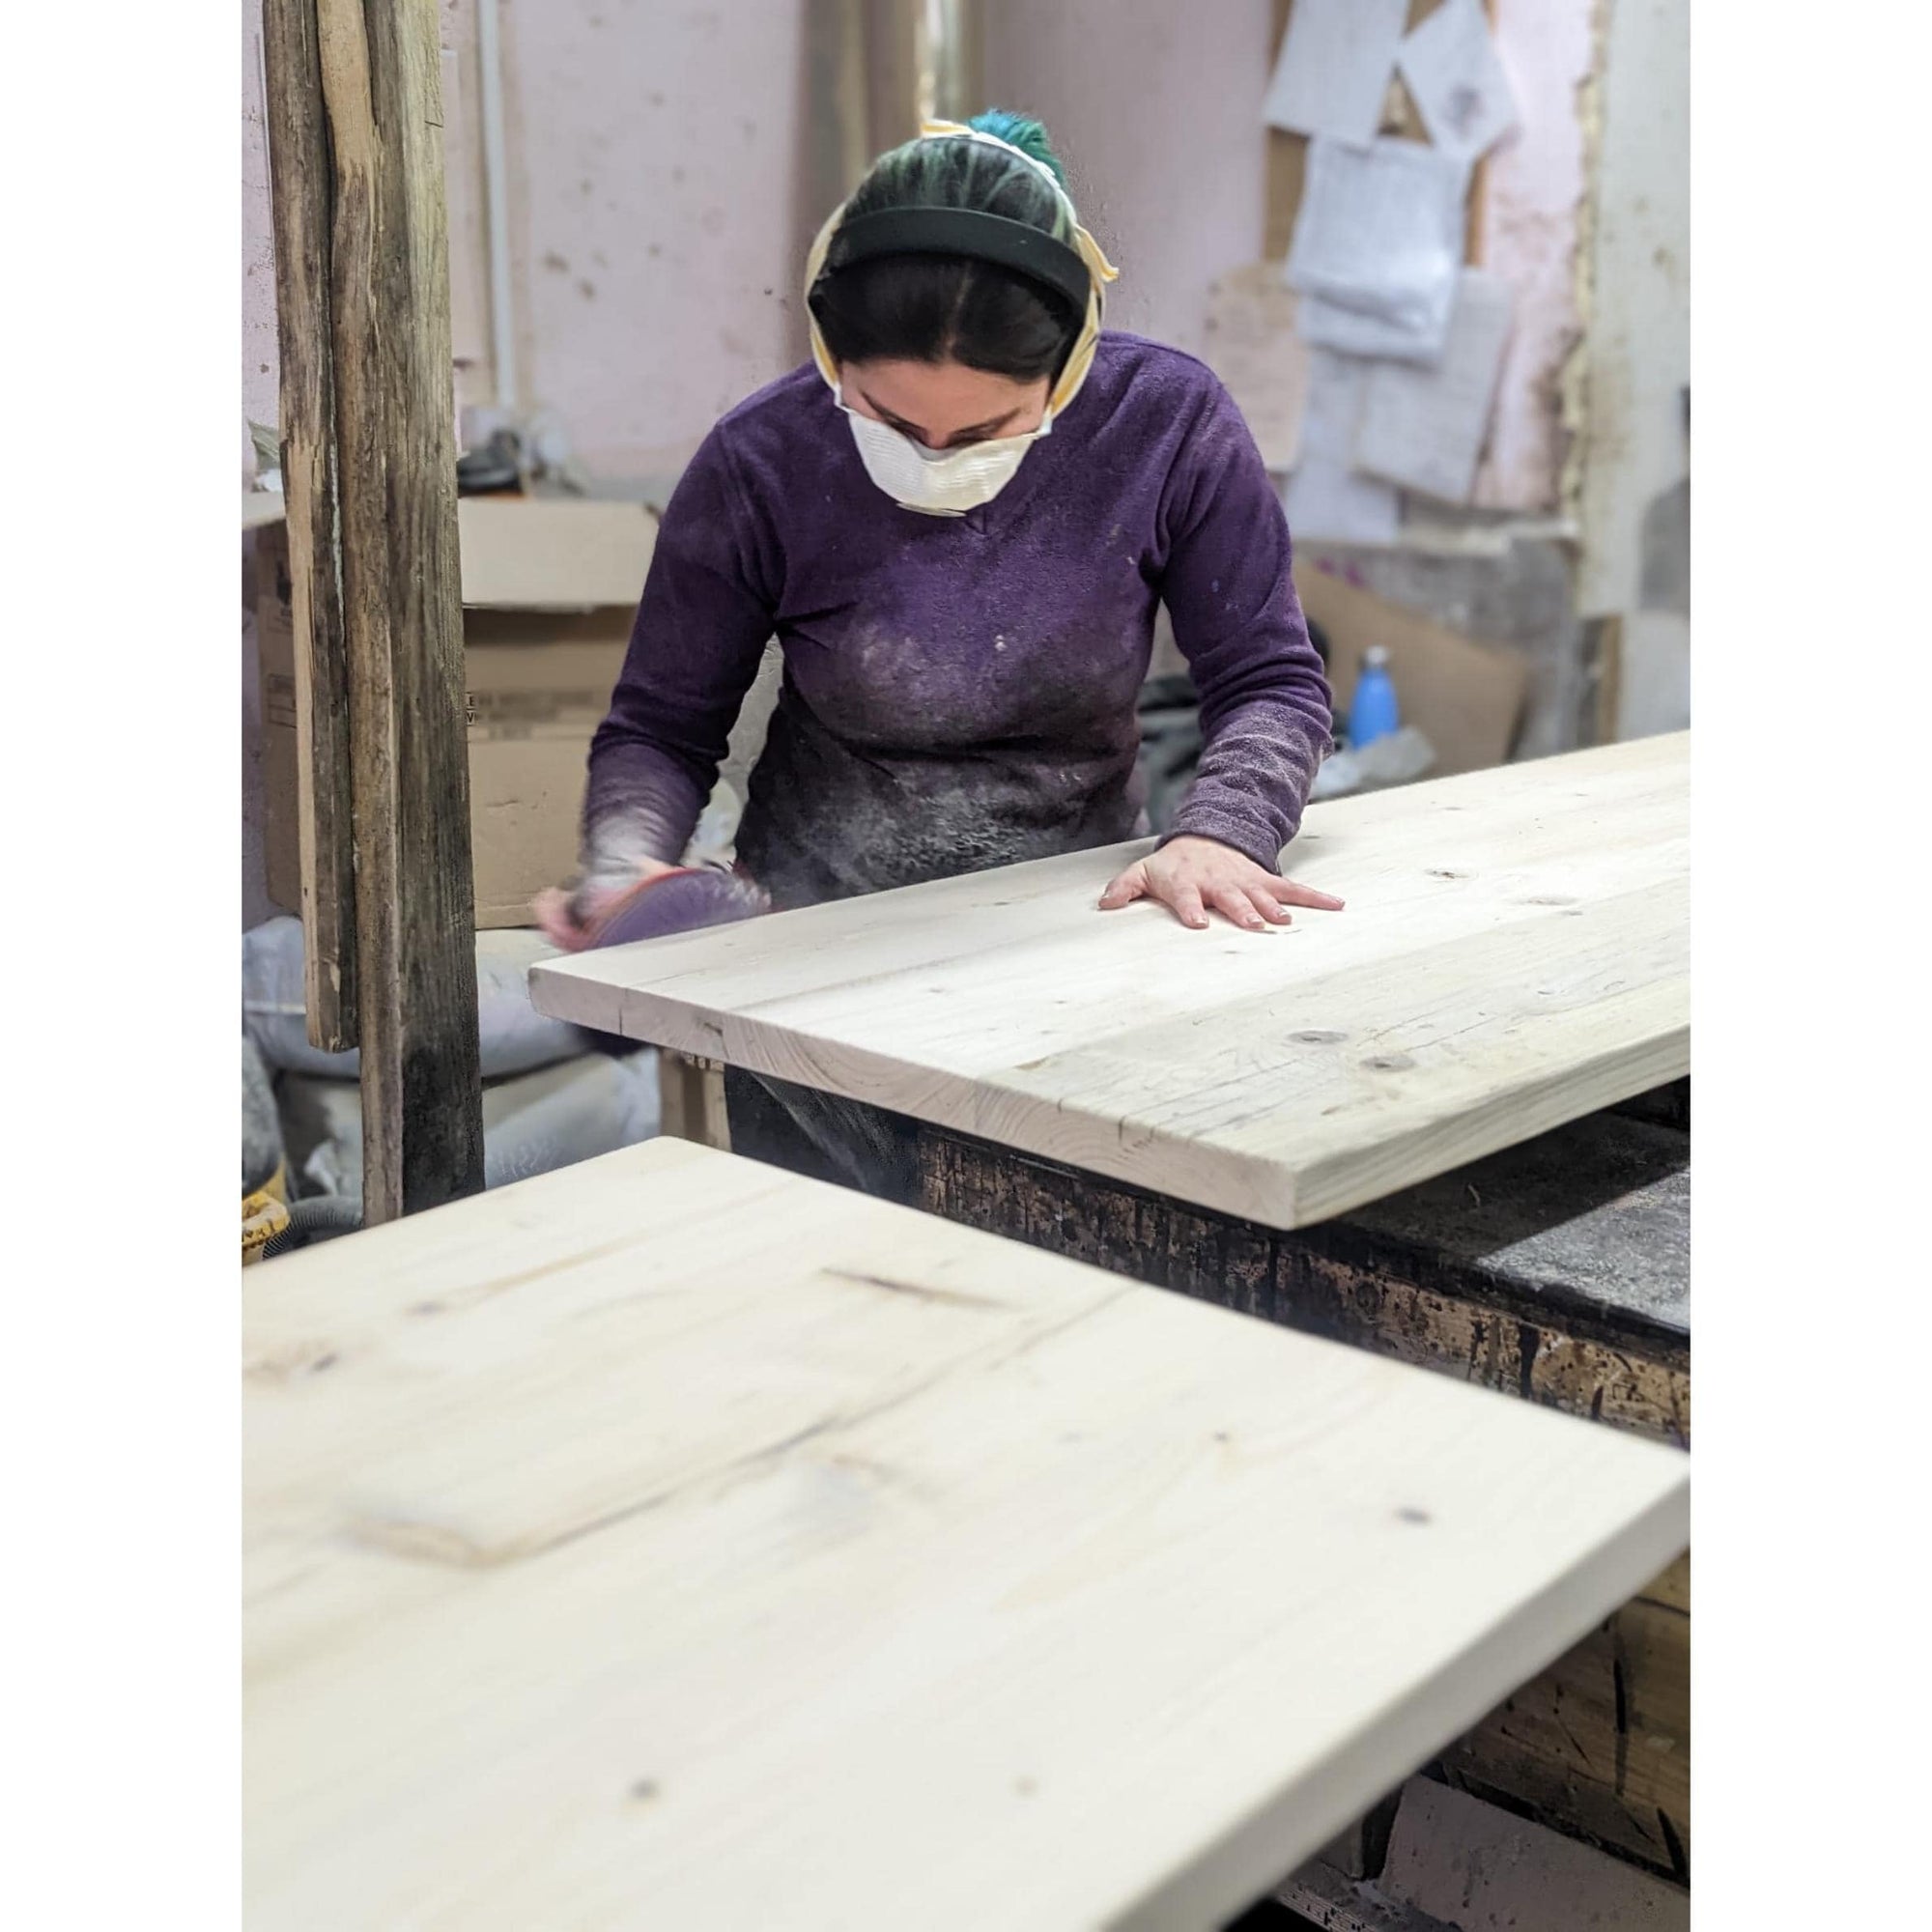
point(942, 405)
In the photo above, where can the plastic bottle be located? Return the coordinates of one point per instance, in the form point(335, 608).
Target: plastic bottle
point(1373, 713)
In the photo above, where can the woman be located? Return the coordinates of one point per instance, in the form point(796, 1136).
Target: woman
point(958, 522)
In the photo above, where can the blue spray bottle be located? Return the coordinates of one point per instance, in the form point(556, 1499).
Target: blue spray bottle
point(1373, 713)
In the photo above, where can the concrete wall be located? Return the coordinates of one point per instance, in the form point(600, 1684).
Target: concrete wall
point(1635, 498)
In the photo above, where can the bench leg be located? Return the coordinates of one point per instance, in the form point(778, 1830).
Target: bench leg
point(691, 1099)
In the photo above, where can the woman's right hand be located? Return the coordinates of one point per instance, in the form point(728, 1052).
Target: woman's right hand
point(569, 919)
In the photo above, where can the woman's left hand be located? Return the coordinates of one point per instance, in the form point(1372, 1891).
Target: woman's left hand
point(1188, 875)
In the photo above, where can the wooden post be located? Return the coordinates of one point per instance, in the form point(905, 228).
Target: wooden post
point(691, 1101)
point(389, 347)
point(300, 184)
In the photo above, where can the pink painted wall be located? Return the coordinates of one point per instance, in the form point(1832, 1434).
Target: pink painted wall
point(650, 159)
point(260, 360)
point(653, 150)
point(1156, 110)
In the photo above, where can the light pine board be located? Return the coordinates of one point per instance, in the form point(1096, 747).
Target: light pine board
point(670, 1542)
point(1514, 954)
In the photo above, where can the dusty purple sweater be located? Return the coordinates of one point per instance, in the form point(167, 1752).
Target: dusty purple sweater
point(960, 692)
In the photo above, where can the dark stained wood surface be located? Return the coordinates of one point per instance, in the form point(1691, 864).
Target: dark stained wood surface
point(414, 904)
point(299, 167)
point(1556, 1270)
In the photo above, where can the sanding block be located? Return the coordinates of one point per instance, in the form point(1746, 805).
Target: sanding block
point(681, 901)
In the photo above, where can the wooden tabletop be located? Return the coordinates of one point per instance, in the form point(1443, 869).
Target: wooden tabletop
point(1514, 954)
point(670, 1541)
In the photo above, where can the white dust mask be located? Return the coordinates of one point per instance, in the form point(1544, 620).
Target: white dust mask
point(950, 482)
point(940, 482)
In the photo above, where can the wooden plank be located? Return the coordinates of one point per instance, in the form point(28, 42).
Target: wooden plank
point(298, 173)
point(691, 1101)
point(415, 906)
point(437, 1124)
point(1555, 1272)
point(673, 1529)
point(1672, 1589)
point(1514, 955)
point(1599, 1741)
point(1604, 692)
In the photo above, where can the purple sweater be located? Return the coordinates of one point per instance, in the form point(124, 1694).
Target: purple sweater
point(960, 692)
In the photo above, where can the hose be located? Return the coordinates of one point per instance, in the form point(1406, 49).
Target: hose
point(319, 1218)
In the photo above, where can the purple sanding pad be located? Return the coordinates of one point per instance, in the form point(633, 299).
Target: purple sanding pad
point(681, 902)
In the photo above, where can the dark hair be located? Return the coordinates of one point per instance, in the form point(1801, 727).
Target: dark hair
point(938, 308)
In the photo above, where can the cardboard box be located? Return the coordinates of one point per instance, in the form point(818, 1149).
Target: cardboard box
point(549, 592)
point(1465, 698)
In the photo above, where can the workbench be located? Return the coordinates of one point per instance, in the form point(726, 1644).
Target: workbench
point(672, 1541)
point(1448, 1125)
point(1514, 954)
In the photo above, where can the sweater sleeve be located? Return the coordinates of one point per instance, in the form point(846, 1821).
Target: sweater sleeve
point(701, 630)
point(1265, 702)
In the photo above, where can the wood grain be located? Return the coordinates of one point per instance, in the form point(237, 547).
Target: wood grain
point(691, 1101)
point(1600, 1740)
point(1598, 1745)
point(672, 1541)
point(1514, 955)
point(410, 778)
point(436, 1118)
point(298, 173)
